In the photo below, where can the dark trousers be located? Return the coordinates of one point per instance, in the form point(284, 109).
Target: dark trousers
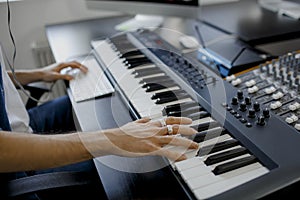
point(56, 116)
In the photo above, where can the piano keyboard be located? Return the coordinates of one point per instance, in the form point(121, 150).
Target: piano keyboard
point(140, 82)
point(224, 160)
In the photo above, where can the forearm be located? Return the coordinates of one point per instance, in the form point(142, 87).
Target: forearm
point(22, 151)
point(25, 151)
point(25, 77)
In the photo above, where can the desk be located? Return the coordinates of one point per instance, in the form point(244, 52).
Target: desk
point(122, 178)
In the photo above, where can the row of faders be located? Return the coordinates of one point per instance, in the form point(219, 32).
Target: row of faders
point(275, 85)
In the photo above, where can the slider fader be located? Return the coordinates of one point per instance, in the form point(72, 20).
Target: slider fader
point(275, 85)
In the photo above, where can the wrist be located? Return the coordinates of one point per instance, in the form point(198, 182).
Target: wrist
point(97, 143)
point(39, 74)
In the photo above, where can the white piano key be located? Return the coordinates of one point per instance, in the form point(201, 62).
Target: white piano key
point(105, 52)
point(129, 85)
point(117, 69)
point(222, 186)
point(195, 171)
point(152, 76)
point(150, 65)
point(203, 120)
point(185, 164)
point(202, 168)
point(210, 178)
point(211, 141)
point(192, 153)
point(141, 94)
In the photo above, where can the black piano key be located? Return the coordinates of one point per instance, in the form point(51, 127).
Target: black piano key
point(179, 106)
point(185, 112)
point(149, 85)
point(217, 147)
point(137, 60)
point(205, 125)
point(199, 115)
point(161, 82)
point(154, 79)
point(148, 69)
point(163, 100)
point(124, 51)
point(167, 94)
point(133, 56)
point(129, 54)
point(133, 65)
point(235, 164)
point(159, 86)
point(126, 47)
point(220, 157)
point(162, 94)
point(141, 74)
point(170, 99)
point(209, 134)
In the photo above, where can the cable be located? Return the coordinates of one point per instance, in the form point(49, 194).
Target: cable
point(11, 35)
point(200, 37)
point(12, 64)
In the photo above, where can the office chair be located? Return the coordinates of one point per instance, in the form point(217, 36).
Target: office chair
point(49, 186)
point(19, 188)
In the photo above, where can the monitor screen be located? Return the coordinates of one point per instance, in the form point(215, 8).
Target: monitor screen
point(179, 8)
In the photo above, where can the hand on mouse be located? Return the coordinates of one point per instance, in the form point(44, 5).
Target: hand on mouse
point(52, 73)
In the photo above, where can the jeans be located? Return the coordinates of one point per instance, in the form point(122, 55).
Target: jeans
point(55, 116)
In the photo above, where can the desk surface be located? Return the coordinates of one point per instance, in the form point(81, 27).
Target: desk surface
point(121, 177)
point(72, 39)
point(250, 22)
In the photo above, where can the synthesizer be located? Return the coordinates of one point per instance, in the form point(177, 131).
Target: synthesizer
point(247, 150)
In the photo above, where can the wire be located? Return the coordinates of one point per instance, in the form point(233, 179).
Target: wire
point(12, 64)
point(11, 35)
point(200, 37)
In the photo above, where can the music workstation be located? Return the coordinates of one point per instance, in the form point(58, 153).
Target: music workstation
point(231, 66)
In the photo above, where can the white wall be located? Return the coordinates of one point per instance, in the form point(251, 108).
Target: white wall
point(29, 18)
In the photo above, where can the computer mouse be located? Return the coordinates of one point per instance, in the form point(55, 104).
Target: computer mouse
point(188, 42)
point(70, 71)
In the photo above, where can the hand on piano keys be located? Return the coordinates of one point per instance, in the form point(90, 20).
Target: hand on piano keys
point(148, 137)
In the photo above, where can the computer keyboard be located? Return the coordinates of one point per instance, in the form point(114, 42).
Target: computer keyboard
point(92, 84)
